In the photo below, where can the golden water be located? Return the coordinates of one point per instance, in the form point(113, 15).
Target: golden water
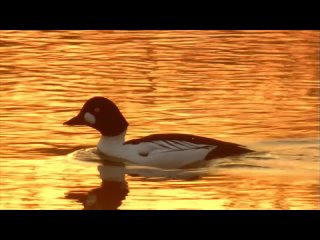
point(257, 88)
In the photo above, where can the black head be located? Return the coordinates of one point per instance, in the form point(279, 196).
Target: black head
point(102, 114)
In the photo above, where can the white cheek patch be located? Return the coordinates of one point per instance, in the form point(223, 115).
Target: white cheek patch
point(90, 118)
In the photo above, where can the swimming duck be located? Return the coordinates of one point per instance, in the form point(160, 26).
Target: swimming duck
point(167, 150)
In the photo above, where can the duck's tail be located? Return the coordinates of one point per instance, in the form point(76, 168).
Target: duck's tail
point(228, 149)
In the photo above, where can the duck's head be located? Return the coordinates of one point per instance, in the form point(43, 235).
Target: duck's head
point(101, 114)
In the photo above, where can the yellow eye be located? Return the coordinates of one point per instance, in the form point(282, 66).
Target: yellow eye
point(97, 109)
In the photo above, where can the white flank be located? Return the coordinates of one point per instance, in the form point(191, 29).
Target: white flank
point(159, 153)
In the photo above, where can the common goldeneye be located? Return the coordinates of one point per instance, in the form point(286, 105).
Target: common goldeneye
point(157, 150)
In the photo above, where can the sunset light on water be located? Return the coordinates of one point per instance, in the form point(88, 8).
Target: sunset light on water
point(259, 89)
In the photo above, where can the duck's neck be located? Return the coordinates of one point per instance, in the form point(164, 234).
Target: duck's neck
point(114, 140)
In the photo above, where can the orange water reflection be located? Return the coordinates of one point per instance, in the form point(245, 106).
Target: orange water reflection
point(243, 86)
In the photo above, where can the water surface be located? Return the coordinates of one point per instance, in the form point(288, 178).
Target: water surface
point(257, 88)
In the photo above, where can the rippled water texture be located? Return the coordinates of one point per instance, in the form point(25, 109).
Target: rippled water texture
point(257, 88)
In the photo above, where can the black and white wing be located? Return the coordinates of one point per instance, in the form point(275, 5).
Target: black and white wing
point(166, 143)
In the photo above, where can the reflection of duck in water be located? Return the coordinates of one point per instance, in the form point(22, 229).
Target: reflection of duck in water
point(114, 188)
point(158, 150)
point(109, 195)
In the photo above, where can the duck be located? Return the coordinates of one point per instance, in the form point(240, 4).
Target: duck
point(163, 150)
